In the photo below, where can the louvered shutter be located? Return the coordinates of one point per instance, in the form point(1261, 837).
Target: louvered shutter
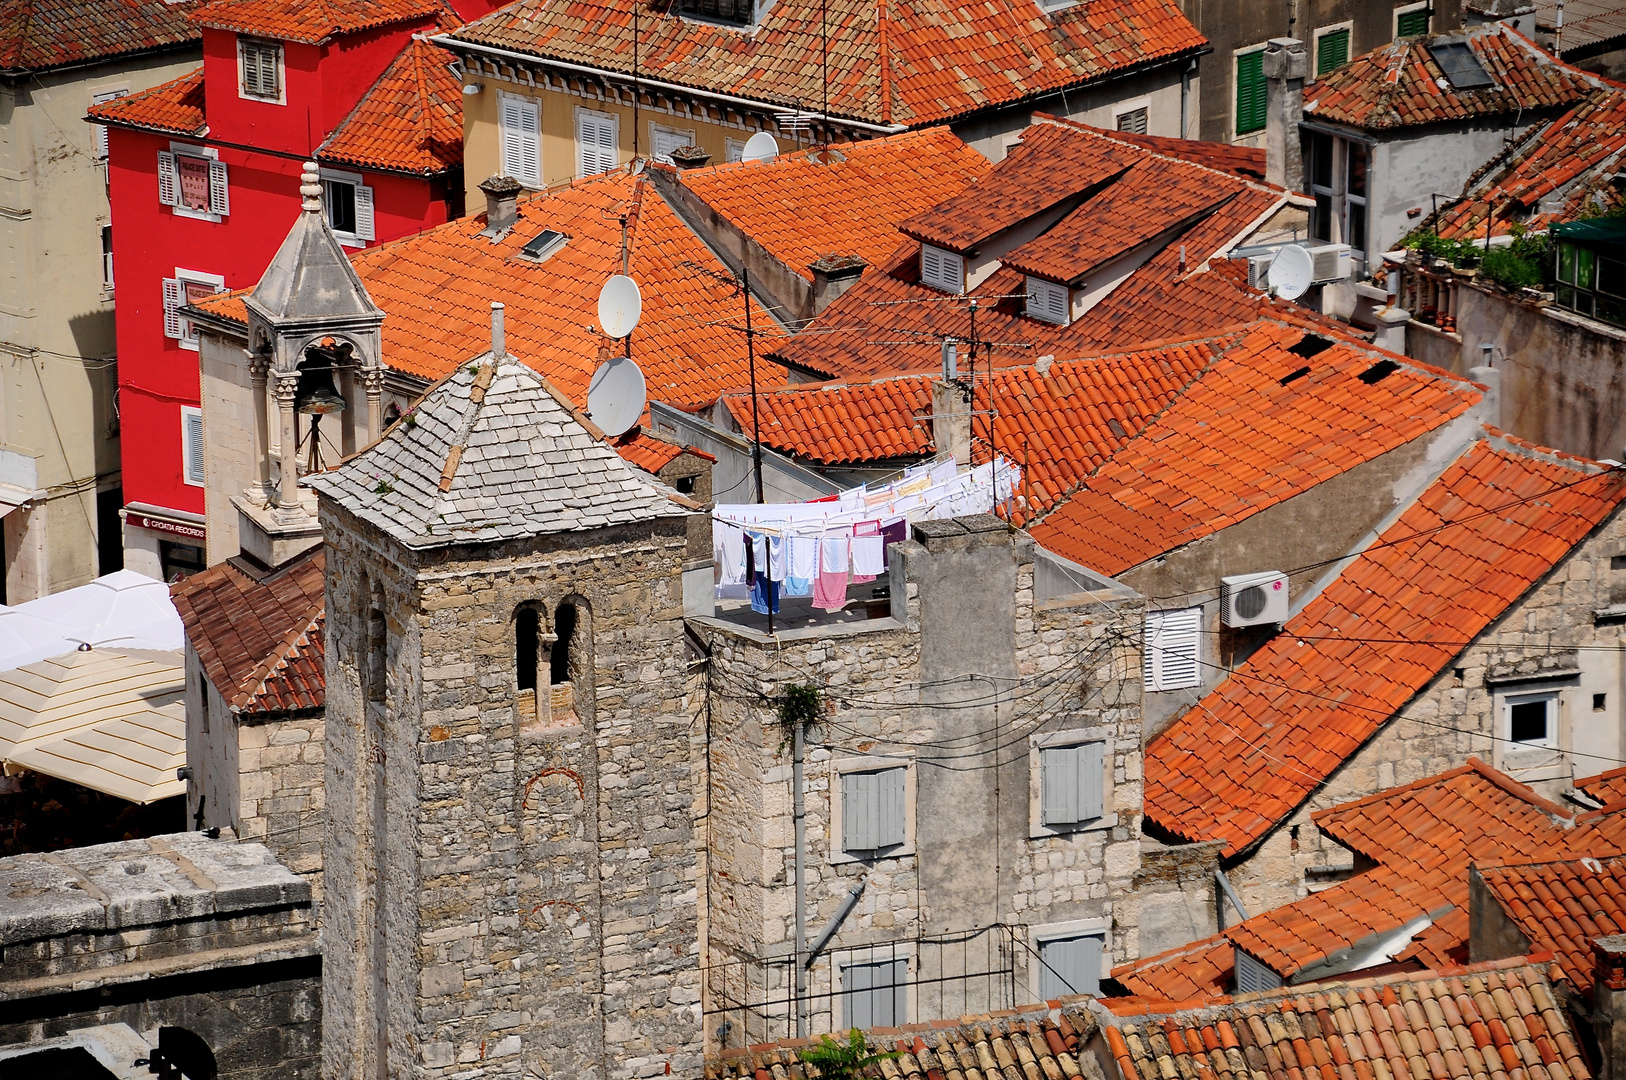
point(1070, 966)
point(168, 186)
point(219, 195)
point(941, 269)
point(889, 830)
point(267, 55)
point(858, 811)
point(1059, 785)
point(1171, 644)
point(931, 264)
point(364, 213)
point(1332, 51)
point(595, 142)
point(1412, 23)
point(1250, 92)
point(192, 436)
point(1133, 122)
point(521, 140)
point(174, 297)
point(1091, 780)
point(1252, 976)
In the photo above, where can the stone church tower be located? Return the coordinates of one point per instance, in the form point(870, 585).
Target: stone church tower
point(508, 783)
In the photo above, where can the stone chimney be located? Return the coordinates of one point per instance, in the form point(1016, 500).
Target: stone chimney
point(689, 157)
point(502, 205)
point(1286, 65)
point(1609, 1004)
point(951, 420)
point(832, 276)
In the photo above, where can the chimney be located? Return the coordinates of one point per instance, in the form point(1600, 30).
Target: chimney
point(1609, 1004)
point(832, 276)
point(689, 157)
point(1286, 64)
point(502, 205)
point(499, 336)
point(1490, 409)
point(951, 420)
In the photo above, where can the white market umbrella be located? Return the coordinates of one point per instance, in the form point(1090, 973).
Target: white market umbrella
point(25, 638)
point(121, 610)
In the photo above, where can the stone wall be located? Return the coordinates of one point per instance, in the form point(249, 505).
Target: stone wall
point(538, 912)
point(957, 685)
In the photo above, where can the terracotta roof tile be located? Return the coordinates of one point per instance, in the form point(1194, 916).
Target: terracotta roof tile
point(937, 59)
point(1607, 788)
point(438, 287)
point(651, 452)
point(802, 206)
point(1253, 749)
point(411, 120)
point(1248, 434)
point(1562, 171)
point(889, 322)
point(1245, 161)
point(259, 639)
point(1061, 421)
point(36, 35)
point(310, 21)
point(1401, 85)
point(1562, 906)
point(175, 106)
point(1423, 837)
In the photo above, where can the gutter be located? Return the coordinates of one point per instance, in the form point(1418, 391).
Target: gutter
point(315, 155)
point(454, 44)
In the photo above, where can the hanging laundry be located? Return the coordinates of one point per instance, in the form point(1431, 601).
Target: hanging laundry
point(765, 595)
point(776, 558)
point(830, 593)
point(893, 532)
point(728, 550)
point(802, 565)
point(868, 560)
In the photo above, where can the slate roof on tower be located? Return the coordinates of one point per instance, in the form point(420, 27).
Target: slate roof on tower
point(310, 278)
point(909, 62)
point(492, 453)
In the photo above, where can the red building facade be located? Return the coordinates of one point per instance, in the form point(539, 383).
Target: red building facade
point(203, 177)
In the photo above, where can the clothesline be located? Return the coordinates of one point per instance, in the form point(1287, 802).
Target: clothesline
point(817, 548)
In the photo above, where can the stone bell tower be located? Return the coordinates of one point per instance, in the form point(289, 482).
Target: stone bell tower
point(315, 351)
point(509, 853)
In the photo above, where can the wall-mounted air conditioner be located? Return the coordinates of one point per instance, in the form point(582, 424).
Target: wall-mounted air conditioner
point(1333, 262)
point(1253, 599)
point(1258, 268)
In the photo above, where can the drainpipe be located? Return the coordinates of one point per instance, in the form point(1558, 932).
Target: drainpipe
point(835, 923)
point(801, 886)
point(1185, 95)
point(1227, 892)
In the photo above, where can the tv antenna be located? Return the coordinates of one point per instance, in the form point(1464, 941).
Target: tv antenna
point(1290, 273)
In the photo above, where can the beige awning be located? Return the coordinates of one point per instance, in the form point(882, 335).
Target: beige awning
point(114, 722)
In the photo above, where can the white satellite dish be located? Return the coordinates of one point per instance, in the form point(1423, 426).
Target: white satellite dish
point(760, 147)
point(619, 306)
point(1291, 272)
point(615, 396)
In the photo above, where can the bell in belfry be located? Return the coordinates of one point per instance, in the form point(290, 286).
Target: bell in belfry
point(315, 398)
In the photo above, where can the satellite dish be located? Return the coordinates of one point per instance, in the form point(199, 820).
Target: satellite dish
point(615, 396)
point(619, 305)
point(1291, 272)
point(760, 147)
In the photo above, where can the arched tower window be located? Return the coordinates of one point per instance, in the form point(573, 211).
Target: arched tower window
point(527, 645)
point(564, 621)
point(377, 646)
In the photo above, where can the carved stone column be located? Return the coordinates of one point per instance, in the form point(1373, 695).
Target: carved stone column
point(347, 390)
point(258, 365)
point(372, 381)
point(288, 488)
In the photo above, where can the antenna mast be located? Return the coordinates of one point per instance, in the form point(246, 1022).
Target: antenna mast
point(635, 4)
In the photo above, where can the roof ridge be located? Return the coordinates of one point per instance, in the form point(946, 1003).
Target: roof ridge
point(1535, 862)
point(277, 660)
point(1536, 452)
point(1079, 125)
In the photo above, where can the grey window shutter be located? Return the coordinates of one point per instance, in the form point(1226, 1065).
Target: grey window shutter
point(167, 184)
point(858, 811)
point(895, 1002)
point(889, 830)
point(1059, 785)
point(1091, 779)
point(1071, 966)
point(1253, 976)
point(859, 980)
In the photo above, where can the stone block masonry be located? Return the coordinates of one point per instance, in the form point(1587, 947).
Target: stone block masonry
point(509, 894)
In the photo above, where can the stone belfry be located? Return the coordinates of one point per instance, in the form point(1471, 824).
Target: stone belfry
point(315, 350)
point(509, 854)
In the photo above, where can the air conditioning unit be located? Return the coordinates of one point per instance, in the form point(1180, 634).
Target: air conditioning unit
point(1333, 262)
point(1253, 599)
point(1258, 268)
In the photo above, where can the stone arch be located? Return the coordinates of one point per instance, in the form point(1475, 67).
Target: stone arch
point(570, 669)
point(187, 1052)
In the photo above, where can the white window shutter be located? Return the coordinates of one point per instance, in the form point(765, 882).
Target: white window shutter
point(512, 133)
point(219, 194)
point(364, 213)
point(168, 188)
point(192, 429)
point(931, 264)
point(174, 297)
point(890, 789)
point(1172, 649)
point(521, 140)
point(1059, 785)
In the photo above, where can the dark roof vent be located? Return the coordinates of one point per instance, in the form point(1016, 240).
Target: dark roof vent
point(543, 245)
point(1292, 375)
point(1311, 345)
point(1378, 372)
point(1460, 66)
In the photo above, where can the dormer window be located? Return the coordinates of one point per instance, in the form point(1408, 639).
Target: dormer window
point(260, 65)
point(942, 269)
point(732, 12)
point(1047, 301)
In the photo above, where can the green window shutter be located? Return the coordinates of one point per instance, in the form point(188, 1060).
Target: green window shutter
point(1250, 92)
point(1332, 52)
point(1412, 23)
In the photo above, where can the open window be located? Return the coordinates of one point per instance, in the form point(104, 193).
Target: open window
point(348, 204)
point(193, 182)
point(184, 288)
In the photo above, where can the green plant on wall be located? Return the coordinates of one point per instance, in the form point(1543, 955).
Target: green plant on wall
point(833, 1059)
point(798, 706)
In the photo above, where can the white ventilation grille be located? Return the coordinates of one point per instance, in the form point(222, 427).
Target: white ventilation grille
point(942, 269)
point(1047, 301)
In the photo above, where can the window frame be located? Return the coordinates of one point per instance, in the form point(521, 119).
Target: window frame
point(99, 131)
point(1152, 657)
point(1347, 27)
point(1042, 935)
point(188, 338)
point(189, 414)
point(217, 210)
point(505, 154)
point(656, 131)
point(1036, 303)
point(1100, 734)
point(107, 260)
point(858, 763)
point(905, 991)
point(366, 226)
point(1236, 91)
point(956, 288)
point(733, 149)
point(580, 113)
point(1409, 9)
point(245, 42)
point(1129, 108)
point(1554, 702)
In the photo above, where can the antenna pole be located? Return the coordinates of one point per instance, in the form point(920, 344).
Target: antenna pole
point(756, 427)
point(634, 113)
point(824, 68)
point(624, 244)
